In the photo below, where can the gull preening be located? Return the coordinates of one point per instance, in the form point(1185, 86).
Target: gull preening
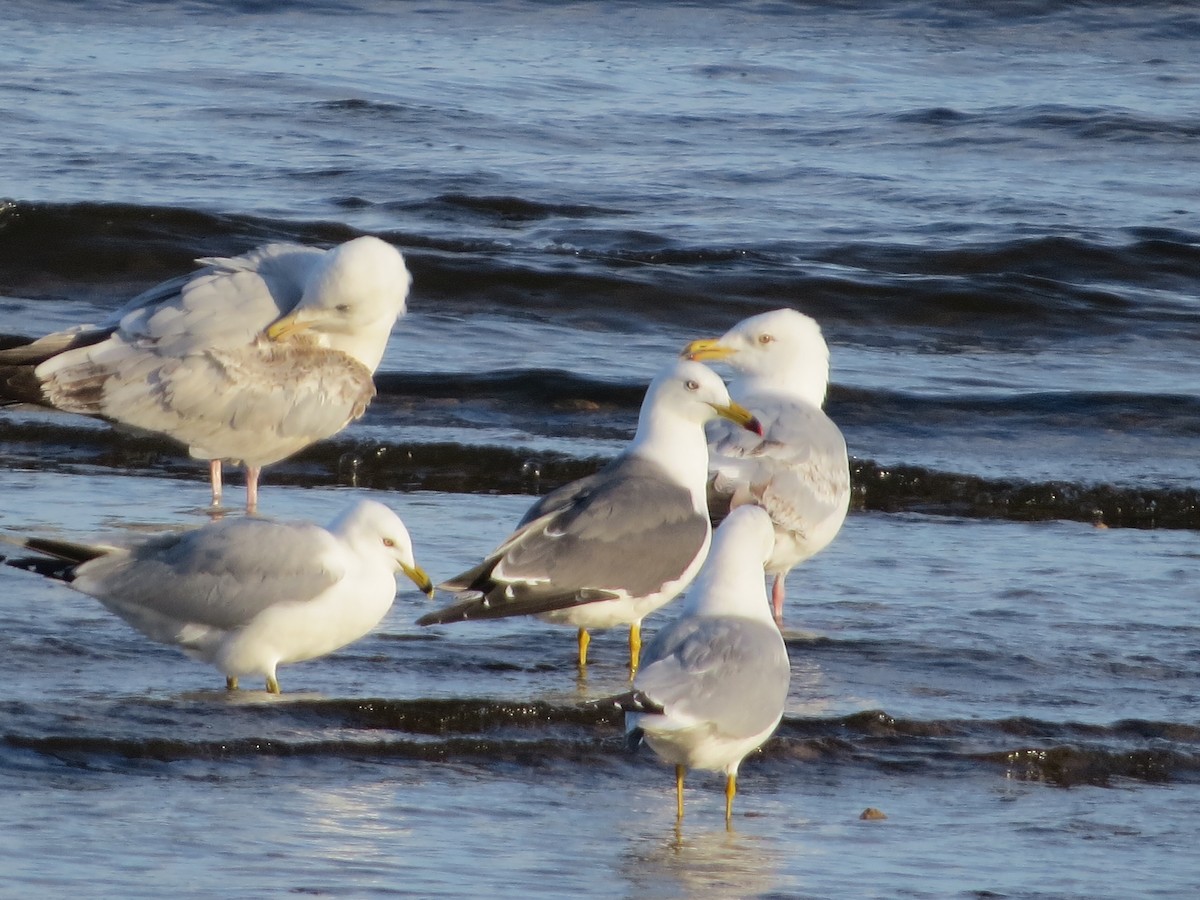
point(798, 470)
point(246, 594)
point(249, 359)
point(609, 549)
point(713, 684)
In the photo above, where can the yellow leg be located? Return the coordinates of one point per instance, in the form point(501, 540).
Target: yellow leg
point(730, 792)
point(635, 648)
point(679, 771)
point(584, 640)
point(272, 685)
point(231, 683)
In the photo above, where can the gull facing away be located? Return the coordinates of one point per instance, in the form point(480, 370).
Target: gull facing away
point(248, 359)
point(713, 684)
point(246, 594)
point(611, 548)
point(798, 471)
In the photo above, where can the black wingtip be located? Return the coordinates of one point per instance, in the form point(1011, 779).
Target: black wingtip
point(633, 739)
point(57, 569)
point(631, 701)
point(456, 612)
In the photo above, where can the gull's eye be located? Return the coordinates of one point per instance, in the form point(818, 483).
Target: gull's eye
point(388, 542)
point(343, 307)
point(765, 339)
point(692, 385)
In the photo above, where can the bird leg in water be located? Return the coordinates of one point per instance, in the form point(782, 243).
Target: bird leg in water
point(679, 772)
point(272, 685)
point(730, 792)
point(214, 478)
point(777, 596)
point(252, 473)
point(584, 640)
point(231, 683)
point(635, 648)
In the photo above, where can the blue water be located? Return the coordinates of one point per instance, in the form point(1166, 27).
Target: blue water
point(992, 214)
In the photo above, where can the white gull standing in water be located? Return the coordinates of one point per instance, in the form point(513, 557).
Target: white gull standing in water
point(246, 594)
point(248, 359)
point(611, 548)
point(798, 471)
point(712, 684)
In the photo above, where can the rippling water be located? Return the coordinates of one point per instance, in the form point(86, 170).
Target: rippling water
point(991, 212)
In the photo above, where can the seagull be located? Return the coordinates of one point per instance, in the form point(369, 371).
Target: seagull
point(798, 470)
point(611, 548)
point(713, 684)
point(246, 594)
point(250, 358)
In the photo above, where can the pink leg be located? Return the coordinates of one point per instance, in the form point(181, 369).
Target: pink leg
point(214, 477)
point(777, 596)
point(252, 473)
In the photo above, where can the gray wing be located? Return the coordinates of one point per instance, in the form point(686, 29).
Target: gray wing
point(626, 530)
point(237, 405)
point(799, 471)
point(731, 671)
point(222, 575)
point(224, 305)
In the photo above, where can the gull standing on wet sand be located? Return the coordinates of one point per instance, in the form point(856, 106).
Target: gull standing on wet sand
point(713, 684)
point(798, 471)
point(249, 359)
point(611, 548)
point(246, 594)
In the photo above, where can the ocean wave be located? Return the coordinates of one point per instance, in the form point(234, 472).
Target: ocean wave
point(992, 294)
point(1102, 123)
point(489, 733)
point(545, 405)
point(1166, 415)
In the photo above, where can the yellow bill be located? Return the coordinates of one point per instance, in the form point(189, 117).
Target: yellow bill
point(706, 349)
point(419, 578)
point(739, 415)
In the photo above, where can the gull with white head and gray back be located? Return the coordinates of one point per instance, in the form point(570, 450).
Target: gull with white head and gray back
point(609, 549)
point(248, 359)
point(798, 470)
point(712, 684)
point(246, 594)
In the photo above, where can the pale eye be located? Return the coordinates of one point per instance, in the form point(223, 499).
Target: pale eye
point(765, 339)
point(388, 542)
point(692, 385)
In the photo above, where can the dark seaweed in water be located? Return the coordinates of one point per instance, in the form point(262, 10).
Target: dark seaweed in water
point(986, 207)
point(913, 489)
point(459, 468)
point(490, 732)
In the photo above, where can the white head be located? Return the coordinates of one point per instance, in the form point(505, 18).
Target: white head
point(732, 580)
point(371, 528)
point(693, 392)
point(351, 300)
point(780, 350)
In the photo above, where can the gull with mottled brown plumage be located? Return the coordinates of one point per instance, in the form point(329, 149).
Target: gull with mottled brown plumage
point(249, 359)
point(798, 469)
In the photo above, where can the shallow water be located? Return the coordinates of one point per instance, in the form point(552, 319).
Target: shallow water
point(988, 213)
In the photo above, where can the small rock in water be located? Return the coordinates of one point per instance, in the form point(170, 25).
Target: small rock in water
point(871, 814)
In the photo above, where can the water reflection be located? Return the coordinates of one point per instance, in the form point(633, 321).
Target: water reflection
point(708, 862)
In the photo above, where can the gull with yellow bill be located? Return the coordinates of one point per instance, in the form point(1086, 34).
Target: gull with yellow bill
point(713, 683)
point(610, 549)
point(245, 594)
point(797, 469)
point(249, 359)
